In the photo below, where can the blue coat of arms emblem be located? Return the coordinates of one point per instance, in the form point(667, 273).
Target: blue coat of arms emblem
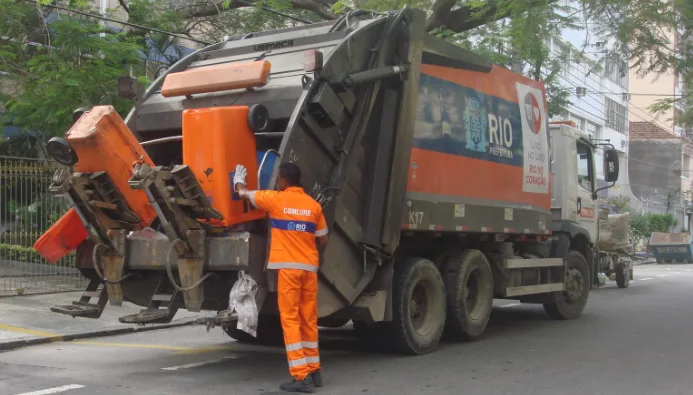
point(475, 125)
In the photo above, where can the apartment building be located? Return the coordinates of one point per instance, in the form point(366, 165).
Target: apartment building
point(599, 83)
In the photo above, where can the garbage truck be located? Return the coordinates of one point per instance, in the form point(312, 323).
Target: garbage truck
point(443, 184)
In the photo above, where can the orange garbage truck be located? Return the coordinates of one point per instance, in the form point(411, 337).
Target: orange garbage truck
point(443, 183)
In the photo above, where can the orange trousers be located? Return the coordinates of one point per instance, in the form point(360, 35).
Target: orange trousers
point(298, 310)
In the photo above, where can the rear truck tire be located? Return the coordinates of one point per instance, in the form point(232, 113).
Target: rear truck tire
point(418, 307)
point(469, 287)
point(329, 322)
point(622, 275)
point(269, 332)
point(569, 304)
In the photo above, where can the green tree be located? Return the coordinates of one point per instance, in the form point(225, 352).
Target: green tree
point(622, 203)
point(511, 32)
point(638, 225)
point(50, 70)
point(661, 223)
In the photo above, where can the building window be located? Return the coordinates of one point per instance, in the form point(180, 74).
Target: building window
point(615, 116)
point(593, 131)
point(579, 121)
point(616, 70)
point(686, 166)
point(563, 53)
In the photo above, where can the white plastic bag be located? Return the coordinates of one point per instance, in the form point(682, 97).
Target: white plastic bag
point(242, 301)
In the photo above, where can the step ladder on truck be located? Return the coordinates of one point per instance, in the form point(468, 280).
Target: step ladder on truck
point(443, 184)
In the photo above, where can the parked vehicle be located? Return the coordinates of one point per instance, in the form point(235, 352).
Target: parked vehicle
point(615, 248)
point(672, 247)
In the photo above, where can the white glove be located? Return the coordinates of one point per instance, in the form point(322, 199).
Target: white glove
point(239, 177)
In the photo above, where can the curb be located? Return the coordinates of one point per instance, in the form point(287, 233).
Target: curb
point(16, 344)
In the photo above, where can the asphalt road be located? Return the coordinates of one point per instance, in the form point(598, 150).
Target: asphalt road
point(634, 341)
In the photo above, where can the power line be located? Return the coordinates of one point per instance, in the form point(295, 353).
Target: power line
point(635, 94)
point(103, 18)
point(630, 104)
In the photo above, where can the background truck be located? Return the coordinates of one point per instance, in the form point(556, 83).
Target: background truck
point(442, 183)
point(615, 247)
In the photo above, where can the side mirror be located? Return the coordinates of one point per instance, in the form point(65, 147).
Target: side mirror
point(611, 164)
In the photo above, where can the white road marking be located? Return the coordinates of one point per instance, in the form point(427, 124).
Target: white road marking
point(688, 270)
point(202, 363)
point(662, 275)
point(646, 278)
point(55, 390)
point(510, 305)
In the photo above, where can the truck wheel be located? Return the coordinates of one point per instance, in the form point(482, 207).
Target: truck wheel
point(622, 275)
point(569, 304)
point(469, 287)
point(269, 332)
point(418, 307)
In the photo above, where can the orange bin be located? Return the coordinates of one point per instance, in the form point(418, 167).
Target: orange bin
point(63, 237)
point(103, 142)
point(215, 140)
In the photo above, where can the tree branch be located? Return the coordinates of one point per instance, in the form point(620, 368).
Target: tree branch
point(469, 17)
point(215, 7)
point(124, 4)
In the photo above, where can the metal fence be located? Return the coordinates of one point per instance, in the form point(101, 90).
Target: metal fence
point(27, 210)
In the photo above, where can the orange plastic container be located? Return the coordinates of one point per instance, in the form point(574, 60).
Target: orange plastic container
point(103, 142)
point(64, 236)
point(215, 140)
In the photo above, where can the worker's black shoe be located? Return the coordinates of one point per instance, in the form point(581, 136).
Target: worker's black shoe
point(306, 385)
point(317, 378)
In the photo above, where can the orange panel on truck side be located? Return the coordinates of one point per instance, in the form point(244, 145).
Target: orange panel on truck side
point(215, 140)
point(103, 142)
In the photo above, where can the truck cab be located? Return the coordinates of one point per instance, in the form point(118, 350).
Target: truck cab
point(574, 200)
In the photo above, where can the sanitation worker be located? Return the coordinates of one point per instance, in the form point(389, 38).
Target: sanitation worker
point(297, 223)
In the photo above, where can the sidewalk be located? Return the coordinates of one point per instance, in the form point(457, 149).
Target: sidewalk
point(27, 320)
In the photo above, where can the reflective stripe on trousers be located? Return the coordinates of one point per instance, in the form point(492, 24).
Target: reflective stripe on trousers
point(298, 310)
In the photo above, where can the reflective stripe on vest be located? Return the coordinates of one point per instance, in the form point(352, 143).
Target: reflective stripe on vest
point(291, 225)
point(292, 265)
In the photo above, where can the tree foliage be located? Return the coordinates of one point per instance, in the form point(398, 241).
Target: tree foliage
point(641, 226)
point(55, 62)
point(53, 67)
point(54, 80)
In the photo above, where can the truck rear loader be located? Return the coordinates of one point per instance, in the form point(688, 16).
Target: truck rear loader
point(443, 184)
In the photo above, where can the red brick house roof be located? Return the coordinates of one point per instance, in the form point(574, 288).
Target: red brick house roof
point(648, 130)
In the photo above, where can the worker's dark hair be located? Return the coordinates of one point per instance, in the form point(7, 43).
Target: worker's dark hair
point(291, 173)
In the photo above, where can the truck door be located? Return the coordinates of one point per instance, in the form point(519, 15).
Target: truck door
point(586, 205)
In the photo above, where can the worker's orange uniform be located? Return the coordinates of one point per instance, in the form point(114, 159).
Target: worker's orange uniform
point(296, 220)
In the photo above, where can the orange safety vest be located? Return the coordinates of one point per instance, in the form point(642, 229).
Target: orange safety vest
point(296, 220)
